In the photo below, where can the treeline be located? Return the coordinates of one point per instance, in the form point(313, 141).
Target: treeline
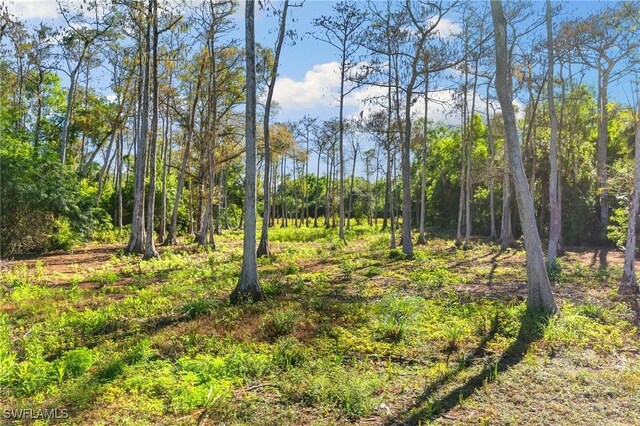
point(162, 155)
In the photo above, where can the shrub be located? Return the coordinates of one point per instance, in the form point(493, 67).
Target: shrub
point(289, 353)
point(396, 316)
point(198, 307)
point(76, 362)
point(554, 271)
point(280, 323)
point(373, 271)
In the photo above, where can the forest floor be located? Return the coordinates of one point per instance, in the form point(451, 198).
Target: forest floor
point(348, 334)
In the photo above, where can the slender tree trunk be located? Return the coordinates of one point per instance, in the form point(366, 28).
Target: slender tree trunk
point(328, 195)
point(150, 249)
point(470, 141)
point(407, 242)
point(274, 207)
point(374, 190)
point(392, 206)
point(248, 285)
point(212, 130)
point(171, 238)
point(423, 177)
point(137, 239)
point(463, 173)
point(222, 198)
point(285, 196)
point(353, 174)
point(263, 247)
point(539, 295)
point(554, 220)
point(341, 147)
point(166, 160)
point(317, 191)
point(294, 191)
point(506, 230)
point(105, 166)
point(628, 282)
point(305, 182)
point(36, 132)
point(492, 153)
point(387, 194)
point(119, 186)
point(601, 155)
point(67, 113)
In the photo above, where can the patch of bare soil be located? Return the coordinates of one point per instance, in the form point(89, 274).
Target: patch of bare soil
point(90, 256)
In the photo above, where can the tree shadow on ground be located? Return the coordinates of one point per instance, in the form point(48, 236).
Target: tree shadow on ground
point(494, 264)
point(471, 260)
point(427, 408)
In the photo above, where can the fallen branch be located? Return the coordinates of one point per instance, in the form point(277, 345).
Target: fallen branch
point(255, 387)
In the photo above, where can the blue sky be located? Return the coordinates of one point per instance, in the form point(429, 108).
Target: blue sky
point(308, 81)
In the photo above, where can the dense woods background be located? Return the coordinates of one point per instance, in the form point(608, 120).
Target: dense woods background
point(164, 146)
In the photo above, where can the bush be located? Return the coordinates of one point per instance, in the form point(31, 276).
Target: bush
point(289, 353)
point(76, 362)
point(280, 323)
point(45, 206)
point(396, 316)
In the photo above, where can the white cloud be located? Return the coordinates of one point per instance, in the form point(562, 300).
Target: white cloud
point(33, 9)
point(440, 104)
point(448, 28)
point(317, 88)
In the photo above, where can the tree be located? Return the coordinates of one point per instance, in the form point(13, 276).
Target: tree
point(603, 41)
point(628, 282)
point(75, 45)
point(492, 154)
point(539, 295)
point(343, 33)
point(554, 203)
point(190, 125)
point(263, 247)
point(432, 13)
point(248, 285)
point(137, 238)
point(150, 249)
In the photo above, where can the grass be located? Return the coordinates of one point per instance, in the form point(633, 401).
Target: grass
point(353, 333)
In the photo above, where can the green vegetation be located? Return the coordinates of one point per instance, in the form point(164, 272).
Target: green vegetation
point(140, 342)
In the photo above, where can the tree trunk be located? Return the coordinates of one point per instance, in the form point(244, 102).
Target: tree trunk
point(317, 191)
point(248, 285)
point(67, 113)
point(150, 249)
point(463, 173)
point(470, 141)
point(555, 214)
point(407, 242)
point(263, 247)
point(353, 174)
point(137, 238)
point(539, 295)
point(341, 147)
point(628, 282)
point(491, 142)
point(118, 185)
point(423, 178)
point(171, 238)
point(166, 159)
point(601, 155)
